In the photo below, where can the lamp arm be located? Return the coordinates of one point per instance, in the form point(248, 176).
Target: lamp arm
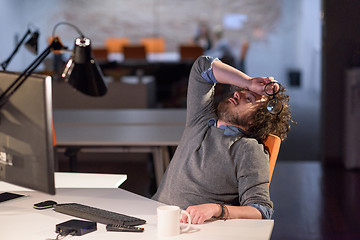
point(5, 63)
point(55, 45)
point(69, 24)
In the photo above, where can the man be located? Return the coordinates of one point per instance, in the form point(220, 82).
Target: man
point(221, 48)
point(220, 168)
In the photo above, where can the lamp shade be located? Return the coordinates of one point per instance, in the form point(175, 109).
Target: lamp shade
point(82, 72)
point(32, 44)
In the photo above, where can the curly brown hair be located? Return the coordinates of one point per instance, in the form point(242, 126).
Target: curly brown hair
point(264, 123)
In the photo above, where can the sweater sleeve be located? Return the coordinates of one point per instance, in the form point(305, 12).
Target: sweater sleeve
point(265, 211)
point(253, 178)
point(200, 95)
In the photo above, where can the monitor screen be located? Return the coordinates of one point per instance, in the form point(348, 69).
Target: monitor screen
point(26, 144)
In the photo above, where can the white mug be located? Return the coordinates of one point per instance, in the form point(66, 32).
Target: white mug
point(168, 221)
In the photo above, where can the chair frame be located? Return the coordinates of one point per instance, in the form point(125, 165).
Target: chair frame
point(272, 145)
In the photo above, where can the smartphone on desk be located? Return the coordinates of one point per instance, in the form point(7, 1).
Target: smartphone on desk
point(6, 196)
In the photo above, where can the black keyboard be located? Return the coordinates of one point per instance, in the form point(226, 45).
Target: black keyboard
point(97, 215)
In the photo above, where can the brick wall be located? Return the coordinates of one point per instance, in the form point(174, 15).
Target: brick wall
point(175, 20)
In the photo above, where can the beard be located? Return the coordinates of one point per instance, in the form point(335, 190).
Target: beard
point(225, 113)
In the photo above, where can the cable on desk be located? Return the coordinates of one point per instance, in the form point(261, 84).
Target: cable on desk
point(63, 235)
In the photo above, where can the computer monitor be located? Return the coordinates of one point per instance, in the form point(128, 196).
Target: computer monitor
point(26, 144)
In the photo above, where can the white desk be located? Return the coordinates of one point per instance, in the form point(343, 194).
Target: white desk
point(128, 130)
point(88, 180)
point(119, 117)
point(151, 57)
point(76, 180)
point(18, 219)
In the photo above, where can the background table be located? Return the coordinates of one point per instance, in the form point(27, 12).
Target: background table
point(18, 219)
point(125, 117)
point(128, 130)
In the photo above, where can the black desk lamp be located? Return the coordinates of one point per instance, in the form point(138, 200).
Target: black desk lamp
point(31, 45)
point(81, 71)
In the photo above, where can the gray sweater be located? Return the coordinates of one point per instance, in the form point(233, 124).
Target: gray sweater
point(214, 165)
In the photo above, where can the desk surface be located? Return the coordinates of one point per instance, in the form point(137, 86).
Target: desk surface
point(115, 136)
point(151, 57)
point(18, 219)
point(112, 128)
point(76, 180)
point(111, 117)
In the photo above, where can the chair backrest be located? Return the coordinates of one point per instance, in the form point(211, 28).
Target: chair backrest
point(272, 144)
point(190, 52)
point(116, 44)
point(134, 52)
point(100, 54)
point(153, 44)
point(54, 135)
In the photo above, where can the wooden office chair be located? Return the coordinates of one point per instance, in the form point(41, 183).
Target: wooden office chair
point(134, 52)
point(100, 54)
point(190, 52)
point(116, 44)
point(153, 44)
point(272, 144)
point(54, 135)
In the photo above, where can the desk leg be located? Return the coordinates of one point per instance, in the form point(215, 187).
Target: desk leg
point(166, 157)
point(71, 153)
point(161, 158)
